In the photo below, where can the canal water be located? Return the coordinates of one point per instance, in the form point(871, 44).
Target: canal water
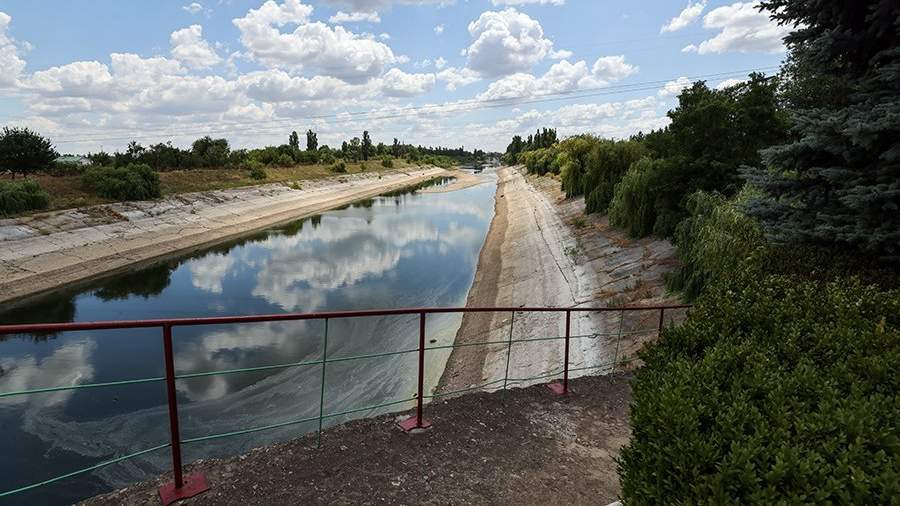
point(407, 249)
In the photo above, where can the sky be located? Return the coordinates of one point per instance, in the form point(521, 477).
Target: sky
point(95, 74)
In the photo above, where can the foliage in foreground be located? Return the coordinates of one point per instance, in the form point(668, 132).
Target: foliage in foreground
point(21, 196)
point(131, 182)
point(775, 389)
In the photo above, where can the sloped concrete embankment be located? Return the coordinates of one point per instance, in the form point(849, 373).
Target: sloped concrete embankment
point(542, 250)
point(49, 250)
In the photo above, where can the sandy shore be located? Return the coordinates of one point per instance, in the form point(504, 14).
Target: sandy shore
point(462, 180)
point(542, 251)
point(45, 251)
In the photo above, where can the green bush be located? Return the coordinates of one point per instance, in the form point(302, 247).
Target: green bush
point(387, 163)
point(775, 390)
point(633, 206)
point(284, 160)
point(131, 182)
point(607, 164)
point(257, 171)
point(715, 240)
point(363, 167)
point(21, 196)
point(339, 167)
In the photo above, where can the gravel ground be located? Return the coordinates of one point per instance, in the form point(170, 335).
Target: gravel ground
point(523, 446)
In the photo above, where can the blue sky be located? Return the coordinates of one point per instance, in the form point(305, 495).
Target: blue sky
point(465, 72)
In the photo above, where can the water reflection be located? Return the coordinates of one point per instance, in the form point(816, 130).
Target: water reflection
point(67, 365)
point(399, 250)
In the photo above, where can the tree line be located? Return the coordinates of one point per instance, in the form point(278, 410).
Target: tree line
point(132, 174)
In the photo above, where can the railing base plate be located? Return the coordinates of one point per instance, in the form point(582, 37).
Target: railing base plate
point(411, 424)
point(193, 484)
point(557, 388)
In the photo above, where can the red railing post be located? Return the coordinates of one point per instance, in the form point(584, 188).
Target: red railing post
point(417, 422)
point(555, 387)
point(183, 486)
point(566, 365)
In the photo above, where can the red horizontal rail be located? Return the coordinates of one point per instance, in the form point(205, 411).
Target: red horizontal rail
point(185, 486)
point(223, 320)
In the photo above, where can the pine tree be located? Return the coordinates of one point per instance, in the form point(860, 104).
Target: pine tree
point(838, 181)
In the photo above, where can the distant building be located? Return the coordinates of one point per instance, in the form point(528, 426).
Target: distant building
point(74, 160)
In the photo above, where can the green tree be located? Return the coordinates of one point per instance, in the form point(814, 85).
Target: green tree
point(366, 145)
point(209, 152)
point(24, 152)
point(294, 140)
point(312, 140)
point(838, 181)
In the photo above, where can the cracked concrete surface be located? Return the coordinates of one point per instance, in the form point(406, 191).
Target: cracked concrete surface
point(542, 250)
point(45, 251)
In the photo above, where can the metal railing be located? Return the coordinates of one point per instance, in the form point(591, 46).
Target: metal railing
point(184, 486)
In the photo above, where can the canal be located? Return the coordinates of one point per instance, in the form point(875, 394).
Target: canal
point(407, 249)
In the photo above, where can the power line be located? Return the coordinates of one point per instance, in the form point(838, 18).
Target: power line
point(451, 108)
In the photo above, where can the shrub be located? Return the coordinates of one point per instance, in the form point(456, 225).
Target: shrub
point(258, 171)
point(21, 196)
point(607, 163)
point(339, 167)
point(284, 160)
point(387, 163)
point(633, 206)
point(716, 239)
point(363, 167)
point(131, 182)
point(775, 390)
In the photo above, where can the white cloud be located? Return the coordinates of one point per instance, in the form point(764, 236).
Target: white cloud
point(330, 51)
point(672, 88)
point(278, 86)
point(440, 63)
point(385, 36)
point(506, 42)
point(377, 5)
point(85, 79)
point(189, 47)
point(562, 77)
point(613, 68)
point(10, 61)
point(686, 17)
point(396, 83)
point(355, 17)
point(439, 29)
point(528, 2)
point(744, 29)
point(458, 77)
point(727, 83)
point(193, 8)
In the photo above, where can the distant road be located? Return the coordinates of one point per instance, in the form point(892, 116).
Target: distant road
point(47, 251)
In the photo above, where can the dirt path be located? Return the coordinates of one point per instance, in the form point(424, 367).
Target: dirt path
point(46, 251)
point(522, 447)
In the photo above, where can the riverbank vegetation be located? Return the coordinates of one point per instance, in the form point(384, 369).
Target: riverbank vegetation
point(782, 196)
point(209, 164)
